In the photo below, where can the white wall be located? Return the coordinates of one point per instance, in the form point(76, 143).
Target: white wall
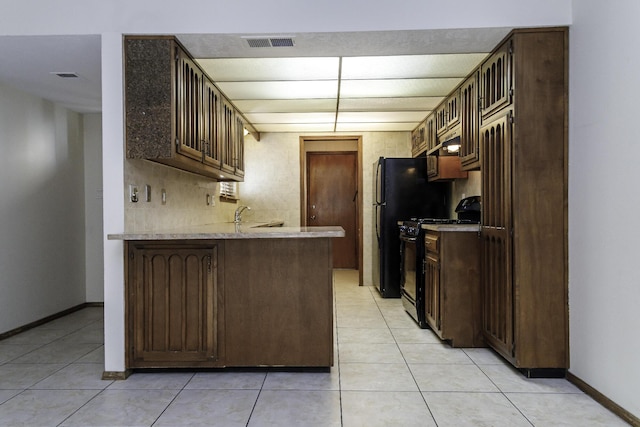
point(604, 278)
point(94, 277)
point(257, 16)
point(42, 261)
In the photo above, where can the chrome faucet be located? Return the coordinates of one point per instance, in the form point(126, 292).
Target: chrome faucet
point(237, 217)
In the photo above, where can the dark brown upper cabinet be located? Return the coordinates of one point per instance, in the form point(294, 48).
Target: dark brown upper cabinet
point(470, 118)
point(496, 89)
point(175, 114)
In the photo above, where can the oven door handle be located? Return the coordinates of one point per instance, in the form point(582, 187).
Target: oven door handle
point(408, 239)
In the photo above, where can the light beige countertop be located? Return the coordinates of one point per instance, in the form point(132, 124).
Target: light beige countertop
point(451, 227)
point(230, 230)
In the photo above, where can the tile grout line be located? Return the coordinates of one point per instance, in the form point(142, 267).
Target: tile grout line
point(408, 367)
point(499, 389)
point(193, 374)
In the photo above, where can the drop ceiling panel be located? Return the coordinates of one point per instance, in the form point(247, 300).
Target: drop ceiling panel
point(286, 105)
point(422, 103)
point(410, 66)
point(260, 118)
point(299, 89)
point(375, 127)
point(280, 89)
point(294, 127)
point(397, 87)
point(270, 69)
point(380, 116)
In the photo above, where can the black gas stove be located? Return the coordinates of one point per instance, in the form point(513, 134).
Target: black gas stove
point(411, 227)
point(412, 254)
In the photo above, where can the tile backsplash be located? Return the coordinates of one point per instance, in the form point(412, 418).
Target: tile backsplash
point(464, 188)
point(186, 198)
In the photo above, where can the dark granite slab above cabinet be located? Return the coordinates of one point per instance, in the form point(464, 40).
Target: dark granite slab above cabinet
point(148, 98)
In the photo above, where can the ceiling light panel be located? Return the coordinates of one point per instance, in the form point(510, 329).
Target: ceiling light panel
point(423, 103)
point(410, 66)
point(295, 127)
point(375, 127)
point(280, 89)
point(397, 87)
point(381, 116)
point(286, 105)
point(259, 118)
point(270, 69)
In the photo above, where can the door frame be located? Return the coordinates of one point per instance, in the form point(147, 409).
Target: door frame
point(354, 139)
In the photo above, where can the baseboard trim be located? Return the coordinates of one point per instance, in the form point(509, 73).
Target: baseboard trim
point(48, 319)
point(604, 400)
point(116, 375)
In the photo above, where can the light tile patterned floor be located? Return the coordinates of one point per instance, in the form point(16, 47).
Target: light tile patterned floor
point(388, 372)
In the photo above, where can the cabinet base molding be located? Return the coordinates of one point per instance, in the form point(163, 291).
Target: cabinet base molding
point(116, 375)
point(604, 400)
point(543, 372)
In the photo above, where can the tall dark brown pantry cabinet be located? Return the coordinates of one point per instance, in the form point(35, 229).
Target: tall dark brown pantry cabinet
point(523, 151)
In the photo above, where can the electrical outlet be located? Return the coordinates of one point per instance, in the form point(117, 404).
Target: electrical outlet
point(133, 193)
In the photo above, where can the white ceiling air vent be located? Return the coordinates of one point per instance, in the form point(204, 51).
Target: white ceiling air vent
point(270, 41)
point(65, 74)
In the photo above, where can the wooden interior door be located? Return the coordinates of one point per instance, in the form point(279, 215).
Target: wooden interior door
point(332, 200)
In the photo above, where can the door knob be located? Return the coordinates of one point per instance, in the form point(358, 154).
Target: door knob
point(313, 217)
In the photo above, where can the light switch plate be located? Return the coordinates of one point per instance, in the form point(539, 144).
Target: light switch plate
point(147, 193)
point(133, 193)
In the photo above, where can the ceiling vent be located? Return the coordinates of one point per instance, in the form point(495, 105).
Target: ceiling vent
point(66, 74)
point(271, 42)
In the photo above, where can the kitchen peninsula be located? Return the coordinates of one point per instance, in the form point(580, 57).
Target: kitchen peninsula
point(229, 295)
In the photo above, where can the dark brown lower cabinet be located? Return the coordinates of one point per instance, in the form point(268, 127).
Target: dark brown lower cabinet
point(229, 303)
point(174, 311)
point(453, 302)
point(279, 302)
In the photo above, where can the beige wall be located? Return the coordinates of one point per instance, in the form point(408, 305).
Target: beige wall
point(271, 187)
point(272, 181)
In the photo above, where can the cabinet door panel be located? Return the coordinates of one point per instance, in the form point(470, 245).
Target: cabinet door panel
point(430, 132)
point(418, 141)
point(432, 292)
point(173, 304)
point(453, 109)
point(441, 119)
point(189, 91)
point(210, 113)
point(238, 147)
point(227, 133)
point(497, 281)
point(469, 145)
point(496, 81)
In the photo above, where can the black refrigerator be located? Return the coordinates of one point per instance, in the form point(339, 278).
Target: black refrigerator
point(401, 192)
